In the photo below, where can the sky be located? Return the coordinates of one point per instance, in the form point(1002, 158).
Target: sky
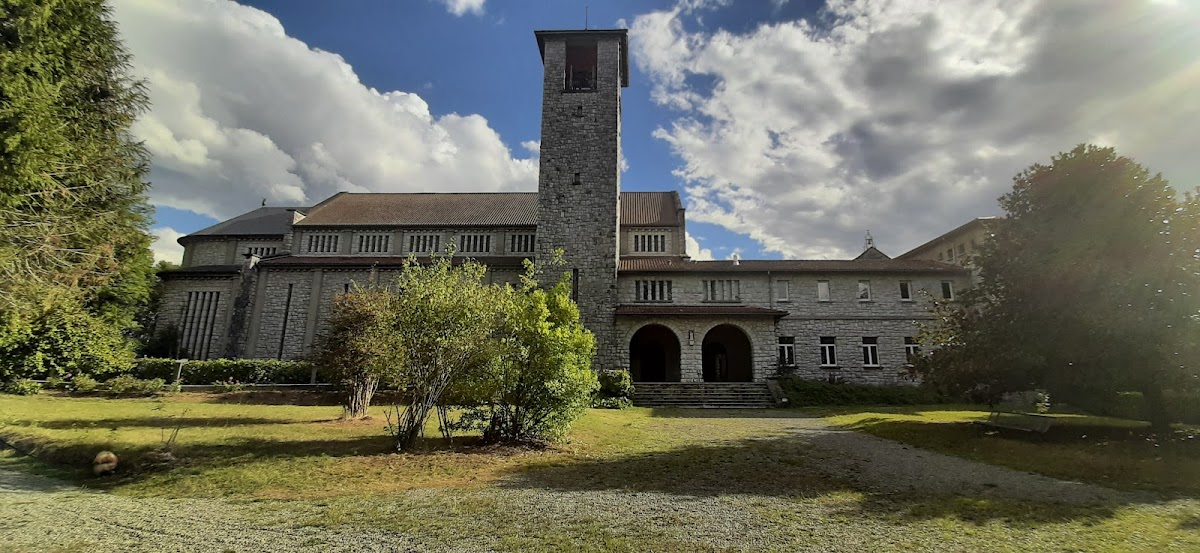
point(790, 128)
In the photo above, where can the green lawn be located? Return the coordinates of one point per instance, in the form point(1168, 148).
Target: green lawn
point(632, 480)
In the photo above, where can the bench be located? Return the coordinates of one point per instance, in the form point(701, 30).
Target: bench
point(1015, 420)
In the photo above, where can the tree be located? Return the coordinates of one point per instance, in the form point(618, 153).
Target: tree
point(48, 333)
point(540, 379)
point(1091, 285)
point(73, 210)
point(361, 348)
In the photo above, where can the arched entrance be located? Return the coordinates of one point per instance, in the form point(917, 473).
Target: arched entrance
point(727, 355)
point(654, 355)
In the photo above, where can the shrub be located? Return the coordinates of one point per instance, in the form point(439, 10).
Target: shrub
point(229, 386)
point(801, 392)
point(616, 390)
point(55, 383)
point(47, 332)
point(22, 387)
point(84, 384)
point(129, 385)
point(247, 371)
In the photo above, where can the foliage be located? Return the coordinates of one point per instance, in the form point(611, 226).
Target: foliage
point(249, 371)
point(84, 384)
point(615, 390)
point(73, 197)
point(229, 386)
point(362, 346)
point(46, 332)
point(1087, 288)
point(540, 379)
point(801, 392)
point(128, 385)
point(1181, 405)
point(21, 387)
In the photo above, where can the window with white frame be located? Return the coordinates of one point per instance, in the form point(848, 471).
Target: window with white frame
point(864, 290)
point(783, 290)
point(828, 351)
point(911, 349)
point(424, 243)
point(475, 243)
point(649, 243)
point(870, 351)
point(906, 290)
point(947, 290)
point(822, 290)
point(787, 351)
point(652, 290)
point(262, 251)
point(322, 243)
point(374, 243)
point(520, 243)
point(722, 290)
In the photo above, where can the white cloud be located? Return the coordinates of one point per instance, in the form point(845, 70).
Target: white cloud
point(241, 111)
point(910, 117)
point(735, 254)
point(462, 7)
point(695, 251)
point(165, 245)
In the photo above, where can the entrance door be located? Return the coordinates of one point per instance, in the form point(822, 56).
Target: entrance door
point(727, 355)
point(654, 355)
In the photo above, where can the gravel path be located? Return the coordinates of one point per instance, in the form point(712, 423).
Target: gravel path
point(40, 514)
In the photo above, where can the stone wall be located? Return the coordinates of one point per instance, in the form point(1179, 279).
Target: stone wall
point(674, 244)
point(279, 324)
point(173, 306)
point(207, 252)
point(691, 332)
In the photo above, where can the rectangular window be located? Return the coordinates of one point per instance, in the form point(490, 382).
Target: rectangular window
point(911, 349)
point(475, 243)
point(783, 290)
point(652, 290)
point(424, 243)
point(822, 290)
point(787, 351)
point(905, 290)
point(374, 243)
point(947, 290)
point(962, 250)
point(649, 243)
point(950, 255)
point(261, 251)
point(581, 67)
point(196, 328)
point(828, 351)
point(520, 243)
point(722, 290)
point(322, 243)
point(870, 351)
point(864, 290)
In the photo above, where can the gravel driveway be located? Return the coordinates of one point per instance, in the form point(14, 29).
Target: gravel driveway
point(39, 514)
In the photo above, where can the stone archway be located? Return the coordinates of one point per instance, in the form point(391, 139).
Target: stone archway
point(727, 355)
point(654, 354)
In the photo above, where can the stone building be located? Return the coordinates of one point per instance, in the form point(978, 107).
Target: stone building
point(261, 285)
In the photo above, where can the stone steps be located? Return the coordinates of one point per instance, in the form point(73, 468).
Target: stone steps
point(705, 395)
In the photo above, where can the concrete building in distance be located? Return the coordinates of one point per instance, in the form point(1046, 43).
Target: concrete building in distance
point(261, 285)
point(956, 246)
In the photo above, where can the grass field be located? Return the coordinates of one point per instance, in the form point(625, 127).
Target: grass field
point(628, 480)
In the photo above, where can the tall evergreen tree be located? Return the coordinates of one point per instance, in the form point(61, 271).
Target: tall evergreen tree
point(73, 210)
point(1091, 285)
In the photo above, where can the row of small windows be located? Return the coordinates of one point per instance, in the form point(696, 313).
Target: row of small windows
point(730, 290)
point(417, 243)
point(827, 351)
point(649, 243)
point(262, 251)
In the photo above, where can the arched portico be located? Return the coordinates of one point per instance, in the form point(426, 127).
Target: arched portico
point(654, 355)
point(727, 355)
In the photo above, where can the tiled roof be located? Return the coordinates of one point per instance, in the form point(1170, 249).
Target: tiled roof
point(698, 310)
point(381, 261)
point(264, 221)
point(471, 209)
point(674, 264)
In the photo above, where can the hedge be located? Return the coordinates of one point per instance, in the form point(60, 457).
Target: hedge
point(245, 371)
point(1182, 406)
point(801, 392)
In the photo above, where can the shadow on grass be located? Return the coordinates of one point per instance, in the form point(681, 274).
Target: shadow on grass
point(167, 422)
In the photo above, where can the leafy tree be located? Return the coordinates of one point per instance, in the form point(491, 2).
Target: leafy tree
point(361, 347)
point(72, 192)
point(48, 334)
point(1090, 286)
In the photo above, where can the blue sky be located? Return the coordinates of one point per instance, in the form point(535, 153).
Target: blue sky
point(789, 127)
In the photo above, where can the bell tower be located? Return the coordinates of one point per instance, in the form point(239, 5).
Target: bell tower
point(579, 180)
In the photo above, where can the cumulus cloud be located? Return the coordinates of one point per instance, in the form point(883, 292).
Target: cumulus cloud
point(166, 246)
point(911, 117)
point(462, 7)
point(695, 251)
point(242, 111)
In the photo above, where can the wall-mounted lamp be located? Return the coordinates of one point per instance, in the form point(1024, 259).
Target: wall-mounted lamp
point(691, 337)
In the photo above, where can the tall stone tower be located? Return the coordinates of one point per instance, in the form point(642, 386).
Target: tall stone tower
point(579, 183)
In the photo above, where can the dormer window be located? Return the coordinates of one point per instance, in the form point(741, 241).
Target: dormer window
point(581, 67)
